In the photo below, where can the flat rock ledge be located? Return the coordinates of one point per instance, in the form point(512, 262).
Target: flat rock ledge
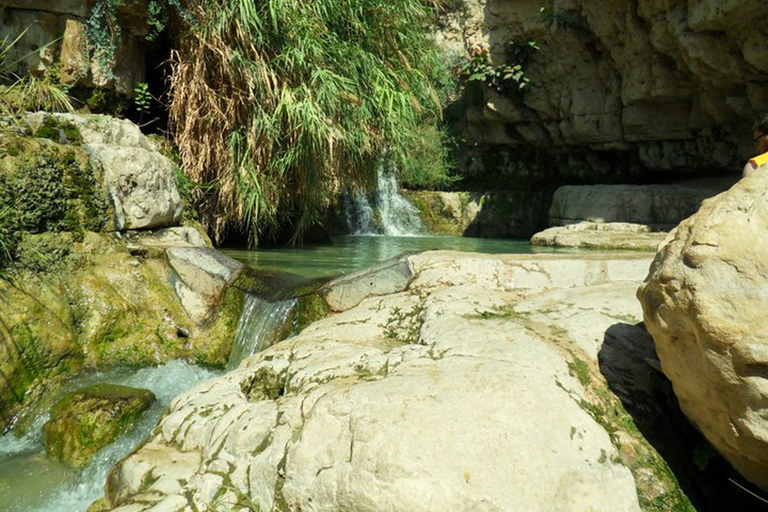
point(604, 236)
point(474, 388)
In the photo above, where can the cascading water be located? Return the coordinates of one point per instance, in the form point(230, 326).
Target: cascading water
point(31, 481)
point(259, 327)
point(386, 213)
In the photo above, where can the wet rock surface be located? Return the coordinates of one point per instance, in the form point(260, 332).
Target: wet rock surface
point(84, 421)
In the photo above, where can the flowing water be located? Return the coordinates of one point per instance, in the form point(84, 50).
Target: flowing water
point(386, 225)
point(32, 482)
point(385, 212)
point(260, 326)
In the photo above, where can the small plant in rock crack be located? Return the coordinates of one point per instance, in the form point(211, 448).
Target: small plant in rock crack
point(509, 77)
point(143, 99)
point(405, 325)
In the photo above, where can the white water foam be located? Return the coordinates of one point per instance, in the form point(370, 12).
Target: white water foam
point(386, 212)
point(32, 482)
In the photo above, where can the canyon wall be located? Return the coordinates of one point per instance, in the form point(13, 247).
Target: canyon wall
point(618, 90)
point(52, 40)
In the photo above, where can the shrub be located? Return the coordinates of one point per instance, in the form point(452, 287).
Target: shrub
point(284, 103)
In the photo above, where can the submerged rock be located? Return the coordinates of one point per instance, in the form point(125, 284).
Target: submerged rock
point(85, 421)
point(475, 388)
point(705, 301)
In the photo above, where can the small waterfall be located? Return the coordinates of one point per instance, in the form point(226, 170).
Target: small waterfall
point(385, 213)
point(259, 327)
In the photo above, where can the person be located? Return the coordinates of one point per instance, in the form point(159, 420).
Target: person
point(760, 137)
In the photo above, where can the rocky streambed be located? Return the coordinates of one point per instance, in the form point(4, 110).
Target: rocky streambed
point(441, 381)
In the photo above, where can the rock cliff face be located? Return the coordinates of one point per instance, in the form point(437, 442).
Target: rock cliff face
point(59, 28)
point(619, 90)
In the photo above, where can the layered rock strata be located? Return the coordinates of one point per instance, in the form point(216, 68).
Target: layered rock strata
point(52, 38)
point(620, 89)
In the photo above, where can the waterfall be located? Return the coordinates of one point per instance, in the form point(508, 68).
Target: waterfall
point(259, 327)
point(387, 212)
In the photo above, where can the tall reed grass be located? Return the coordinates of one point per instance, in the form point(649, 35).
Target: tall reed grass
point(284, 103)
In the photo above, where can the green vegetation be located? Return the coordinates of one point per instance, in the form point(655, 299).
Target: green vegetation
point(29, 93)
point(142, 99)
point(283, 104)
point(47, 191)
point(505, 78)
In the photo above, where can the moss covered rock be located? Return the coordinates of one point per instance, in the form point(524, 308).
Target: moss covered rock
point(103, 304)
point(87, 420)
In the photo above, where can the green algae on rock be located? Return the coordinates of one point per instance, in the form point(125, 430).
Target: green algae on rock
point(84, 421)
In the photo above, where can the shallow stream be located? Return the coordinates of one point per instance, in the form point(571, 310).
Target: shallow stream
point(32, 482)
point(346, 254)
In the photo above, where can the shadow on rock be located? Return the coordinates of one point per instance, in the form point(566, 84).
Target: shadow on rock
point(628, 359)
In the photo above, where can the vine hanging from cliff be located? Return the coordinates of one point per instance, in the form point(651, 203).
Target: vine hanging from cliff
point(104, 31)
point(283, 104)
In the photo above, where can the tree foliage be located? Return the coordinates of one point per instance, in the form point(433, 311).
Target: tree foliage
point(284, 103)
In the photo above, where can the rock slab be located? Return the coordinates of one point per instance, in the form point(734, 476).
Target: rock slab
point(455, 394)
point(593, 235)
point(200, 277)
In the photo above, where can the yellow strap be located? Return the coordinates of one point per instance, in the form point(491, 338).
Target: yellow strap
point(759, 160)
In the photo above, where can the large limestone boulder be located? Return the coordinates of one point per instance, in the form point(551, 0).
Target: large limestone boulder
point(455, 394)
point(85, 421)
point(135, 177)
point(138, 179)
point(705, 301)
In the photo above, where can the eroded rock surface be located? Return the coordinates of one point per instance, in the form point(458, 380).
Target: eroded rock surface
point(593, 235)
point(454, 394)
point(87, 420)
point(704, 302)
point(618, 88)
